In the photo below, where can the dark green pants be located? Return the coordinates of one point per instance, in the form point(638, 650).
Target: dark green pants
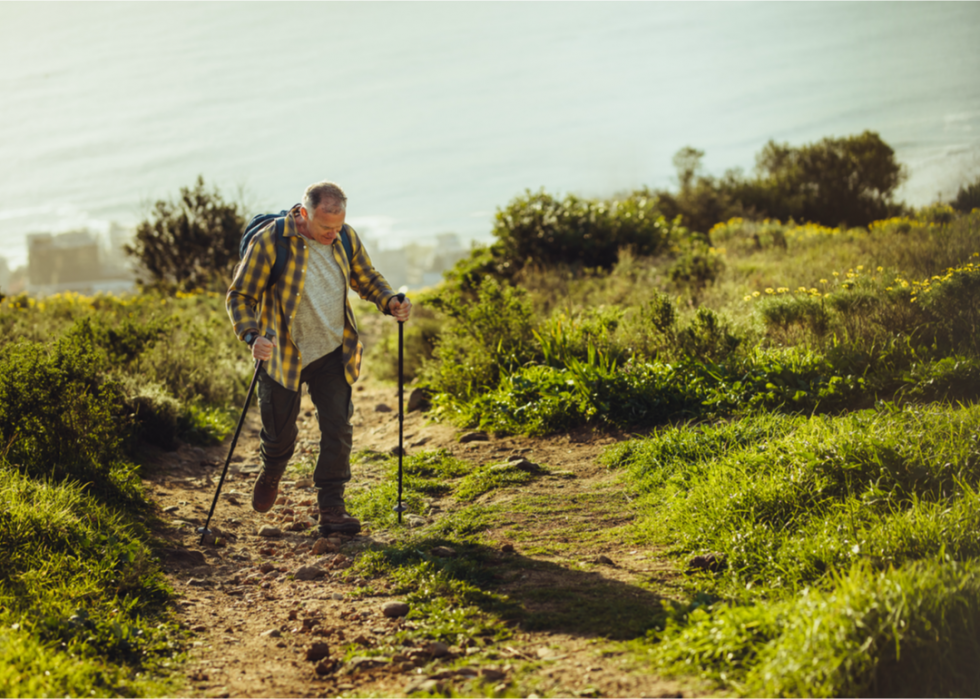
point(331, 396)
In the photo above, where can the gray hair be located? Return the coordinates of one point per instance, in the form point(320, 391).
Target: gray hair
point(326, 194)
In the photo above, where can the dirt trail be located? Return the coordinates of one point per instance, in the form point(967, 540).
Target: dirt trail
point(255, 624)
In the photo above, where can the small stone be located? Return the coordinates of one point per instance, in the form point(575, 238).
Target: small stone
point(323, 546)
point(418, 399)
point(397, 450)
point(605, 560)
point(198, 582)
point(309, 573)
point(436, 649)
point(200, 628)
point(526, 466)
point(443, 552)
point(426, 687)
point(232, 495)
point(269, 531)
point(415, 521)
point(507, 548)
point(322, 669)
point(474, 437)
point(394, 609)
point(336, 595)
point(318, 651)
point(266, 567)
point(711, 562)
point(172, 508)
point(492, 675)
point(271, 633)
point(382, 408)
point(303, 483)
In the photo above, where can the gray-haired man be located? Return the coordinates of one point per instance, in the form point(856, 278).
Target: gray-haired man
point(315, 341)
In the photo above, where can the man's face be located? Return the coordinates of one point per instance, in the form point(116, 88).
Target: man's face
point(324, 227)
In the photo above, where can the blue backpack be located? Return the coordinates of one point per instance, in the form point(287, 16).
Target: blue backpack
point(260, 221)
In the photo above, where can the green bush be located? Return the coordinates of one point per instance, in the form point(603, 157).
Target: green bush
point(481, 340)
point(538, 229)
point(190, 243)
point(968, 197)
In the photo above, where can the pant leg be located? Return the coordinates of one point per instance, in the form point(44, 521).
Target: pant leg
point(279, 408)
point(331, 395)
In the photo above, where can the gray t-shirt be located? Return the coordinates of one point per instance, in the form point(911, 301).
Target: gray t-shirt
point(318, 328)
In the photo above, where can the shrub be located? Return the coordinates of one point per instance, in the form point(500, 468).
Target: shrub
point(59, 419)
point(481, 340)
point(968, 197)
point(191, 243)
point(538, 229)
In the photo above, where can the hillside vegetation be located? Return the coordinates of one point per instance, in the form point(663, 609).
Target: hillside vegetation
point(796, 400)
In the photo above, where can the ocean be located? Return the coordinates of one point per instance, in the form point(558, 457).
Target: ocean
point(433, 115)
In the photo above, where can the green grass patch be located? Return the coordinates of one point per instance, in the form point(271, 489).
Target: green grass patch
point(81, 595)
point(911, 631)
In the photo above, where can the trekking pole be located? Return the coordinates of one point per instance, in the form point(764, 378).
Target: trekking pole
point(204, 531)
point(400, 507)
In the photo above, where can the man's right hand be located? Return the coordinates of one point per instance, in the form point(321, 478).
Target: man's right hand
point(262, 348)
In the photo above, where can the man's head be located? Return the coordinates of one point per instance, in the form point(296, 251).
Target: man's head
point(324, 210)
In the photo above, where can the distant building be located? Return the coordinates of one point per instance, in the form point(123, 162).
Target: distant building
point(75, 261)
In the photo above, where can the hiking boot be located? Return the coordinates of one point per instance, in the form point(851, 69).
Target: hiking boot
point(266, 488)
point(335, 520)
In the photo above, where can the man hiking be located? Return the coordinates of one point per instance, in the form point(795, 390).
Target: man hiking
point(314, 340)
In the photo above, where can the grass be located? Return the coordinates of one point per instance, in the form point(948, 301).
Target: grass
point(82, 601)
point(847, 540)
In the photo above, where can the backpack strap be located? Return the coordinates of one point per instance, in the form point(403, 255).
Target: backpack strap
point(282, 250)
point(348, 246)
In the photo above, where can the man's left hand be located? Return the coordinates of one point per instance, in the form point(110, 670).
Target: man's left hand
point(400, 309)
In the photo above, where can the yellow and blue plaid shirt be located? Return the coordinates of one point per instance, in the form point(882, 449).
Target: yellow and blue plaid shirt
point(253, 305)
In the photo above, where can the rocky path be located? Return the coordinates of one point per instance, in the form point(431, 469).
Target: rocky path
point(274, 610)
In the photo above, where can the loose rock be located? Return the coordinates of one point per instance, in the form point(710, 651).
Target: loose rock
point(474, 437)
point(323, 546)
point(303, 483)
point(172, 508)
point(605, 560)
point(322, 669)
point(415, 521)
point(711, 562)
point(318, 651)
point(507, 548)
point(394, 609)
point(426, 687)
point(271, 633)
point(269, 531)
point(436, 649)
point(382, 408)
point(309, 573)
point(443, 552)
point(418, 399)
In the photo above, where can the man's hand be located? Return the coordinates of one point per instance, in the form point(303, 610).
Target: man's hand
point(262, 348)
point(400, 309)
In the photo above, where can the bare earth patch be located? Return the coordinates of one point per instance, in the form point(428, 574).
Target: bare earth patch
point(261, 630)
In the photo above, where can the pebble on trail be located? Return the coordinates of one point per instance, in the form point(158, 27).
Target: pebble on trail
point(318, 651)
point(394, 609)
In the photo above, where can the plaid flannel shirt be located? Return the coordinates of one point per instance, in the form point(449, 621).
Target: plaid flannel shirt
point(252, 305)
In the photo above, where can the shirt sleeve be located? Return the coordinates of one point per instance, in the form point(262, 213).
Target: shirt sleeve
point(250, 280)
point(367, 281)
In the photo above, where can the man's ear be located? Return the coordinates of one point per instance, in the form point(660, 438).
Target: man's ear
point(304, 213)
